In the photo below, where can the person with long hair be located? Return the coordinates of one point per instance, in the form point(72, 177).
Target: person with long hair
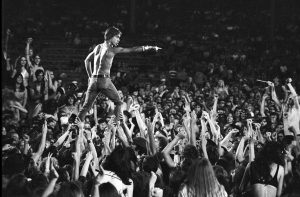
point(265, 173)
point(201, 181)
point(21, 67)
point(70, 107)
point(118, 169)
point(20, 89)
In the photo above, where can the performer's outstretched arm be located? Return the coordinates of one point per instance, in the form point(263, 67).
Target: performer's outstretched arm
point(87, 63)
point(134, 49)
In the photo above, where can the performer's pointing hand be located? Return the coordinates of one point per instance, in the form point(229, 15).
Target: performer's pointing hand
point(157, 48)
point(146, 48)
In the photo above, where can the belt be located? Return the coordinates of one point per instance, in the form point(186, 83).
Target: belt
point(101, 76)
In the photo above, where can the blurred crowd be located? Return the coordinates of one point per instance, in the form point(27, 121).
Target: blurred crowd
point(222, 119)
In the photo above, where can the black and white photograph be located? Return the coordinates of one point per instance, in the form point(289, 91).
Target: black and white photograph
point(150, 98)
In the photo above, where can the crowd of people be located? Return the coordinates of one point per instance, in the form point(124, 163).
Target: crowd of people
point(223, 120)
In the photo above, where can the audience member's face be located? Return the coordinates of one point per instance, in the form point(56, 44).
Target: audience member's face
point(23, 61)
point(71, 101)
point(157, 144)
point(141, 92)
point(30, 52)
point(59, 83)
point(280, 137)
point(51, 124)
point(264, 122)
point(230, 118)
point(222, 103)
point(243, 115)
point(37, 60)
point(171, 117)
point(273, 118)
point(40, 77)
point(221, 83)
point(148, 87)
point(20, 79)
point(237, 113)
point(15, 137)
point(51, 74)
point(198, 108)
point(4, 131)
point(102, 126)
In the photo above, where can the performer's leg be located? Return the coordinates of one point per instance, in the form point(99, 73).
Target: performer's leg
point(111, 92)
point(91, 95)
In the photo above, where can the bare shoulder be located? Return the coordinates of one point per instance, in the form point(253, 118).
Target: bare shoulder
point(97, 48)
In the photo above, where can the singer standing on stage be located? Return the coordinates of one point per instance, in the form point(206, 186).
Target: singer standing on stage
point(99, 78)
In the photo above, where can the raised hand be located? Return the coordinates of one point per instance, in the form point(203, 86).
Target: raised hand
point(249, 122)
point(53, 172)
point(26, 138)
point(181, 135)
point(193, 116)
point(45, 127)
point(289, 80)
point(8, 32)
point(47, 164)
point(265, 96)
point(205, 115)
point(89, 156)
point(270, 83)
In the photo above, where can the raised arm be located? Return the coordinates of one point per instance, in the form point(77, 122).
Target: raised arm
point(85, 167)
point(92, 149)
point(213, 112)
point(28, 42)
point(77, 154)
point(273, 93)
point(117, 50)
point(262, 105)
point(213, 129)
point(62, 138)
point(169, 147)
point(194, 128)
point(228, 137)
point(203, 137)
point(126, 131)
point(53, 179)
point(150, 127)
point(140, 123)
point(5, 51)
point(245, 179)
point(293, 92)
point(40, 151)
point(239, 156)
